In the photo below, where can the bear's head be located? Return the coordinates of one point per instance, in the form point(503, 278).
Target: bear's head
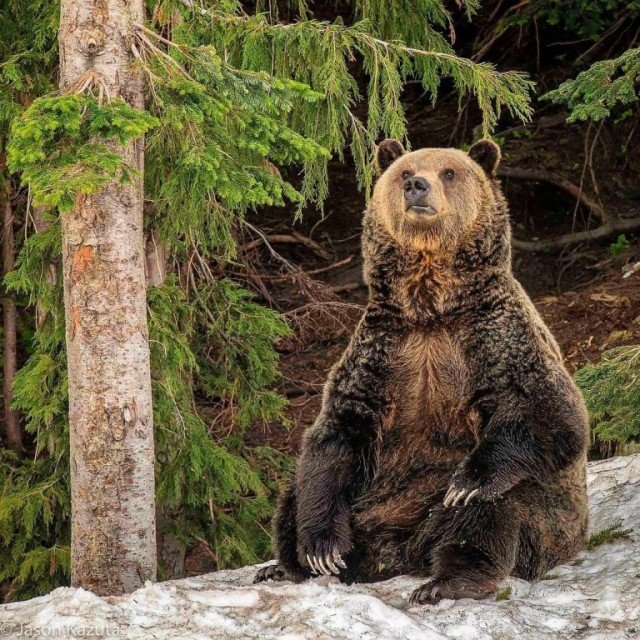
point(433, 199)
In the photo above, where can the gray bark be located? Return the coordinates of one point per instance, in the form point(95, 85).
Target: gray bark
point(113, 545)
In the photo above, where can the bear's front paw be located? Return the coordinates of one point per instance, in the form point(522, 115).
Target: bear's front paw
point(278, 573)
point(270, 572)
point(466, 486)
point(461, 491)
point(324, 555)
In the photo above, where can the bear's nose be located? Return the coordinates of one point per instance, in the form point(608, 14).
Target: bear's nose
point(415, 188)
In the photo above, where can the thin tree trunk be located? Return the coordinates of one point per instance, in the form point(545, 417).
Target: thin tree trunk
point(11, 418)
point(156, 262)
point(171, 550)
point(113, 541)
point(40, 225)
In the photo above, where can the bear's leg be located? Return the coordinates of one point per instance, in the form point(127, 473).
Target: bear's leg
point(287, 567)
point(476, 548)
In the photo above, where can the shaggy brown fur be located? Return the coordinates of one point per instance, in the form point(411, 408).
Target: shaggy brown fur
point(451, 441)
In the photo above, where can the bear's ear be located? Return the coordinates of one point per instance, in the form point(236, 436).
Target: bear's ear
point(487, 154)
point(388, 151)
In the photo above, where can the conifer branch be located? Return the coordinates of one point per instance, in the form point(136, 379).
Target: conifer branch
point(595, 92)
point(510, 89)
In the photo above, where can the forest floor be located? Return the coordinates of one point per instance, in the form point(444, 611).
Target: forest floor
point(585, 321)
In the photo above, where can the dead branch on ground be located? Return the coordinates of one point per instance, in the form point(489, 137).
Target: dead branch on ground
point(611, 228)
point(540, 175)
point(610, 225)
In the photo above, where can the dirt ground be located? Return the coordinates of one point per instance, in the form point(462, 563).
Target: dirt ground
point(585, 321)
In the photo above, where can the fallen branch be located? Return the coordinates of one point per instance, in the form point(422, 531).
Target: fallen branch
point(294, 238)
point(300, 389)
point(610, 228)
point(350, 286)
point(335, 265)
point(312, 272)
point(538, 175)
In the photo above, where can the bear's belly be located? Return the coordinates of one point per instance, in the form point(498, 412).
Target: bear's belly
point(429, 418)
point(426, 434)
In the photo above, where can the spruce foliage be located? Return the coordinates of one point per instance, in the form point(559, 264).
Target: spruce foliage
point(612, 391)
point(231, 99)
point(59, 146)
point(606, 84)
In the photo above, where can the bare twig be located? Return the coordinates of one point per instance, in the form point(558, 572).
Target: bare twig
point(322, 220)
point(500, 29)
point(623, 16)
point(594, 180)
point(313, 272)
point(330, 267)
point(543, 123)
point(267, 243)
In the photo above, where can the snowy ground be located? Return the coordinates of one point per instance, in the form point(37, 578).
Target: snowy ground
point(597, 597)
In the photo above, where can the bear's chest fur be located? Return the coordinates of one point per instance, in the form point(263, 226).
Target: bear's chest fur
point(430, 389)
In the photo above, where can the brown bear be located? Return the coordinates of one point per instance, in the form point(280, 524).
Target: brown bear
point(451, 441)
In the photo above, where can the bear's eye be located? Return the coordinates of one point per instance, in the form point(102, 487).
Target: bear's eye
point(449, 174)
point(406, 174)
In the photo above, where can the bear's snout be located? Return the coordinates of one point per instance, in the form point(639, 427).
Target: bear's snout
point(416, 190)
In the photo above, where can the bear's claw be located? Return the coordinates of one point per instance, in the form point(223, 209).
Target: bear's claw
point(329, 564)
point(455, 496)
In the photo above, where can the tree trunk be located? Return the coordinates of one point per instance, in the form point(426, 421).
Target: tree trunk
point(11, 418)
point(172, 552)
point(40, 225)
point(113, 541)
